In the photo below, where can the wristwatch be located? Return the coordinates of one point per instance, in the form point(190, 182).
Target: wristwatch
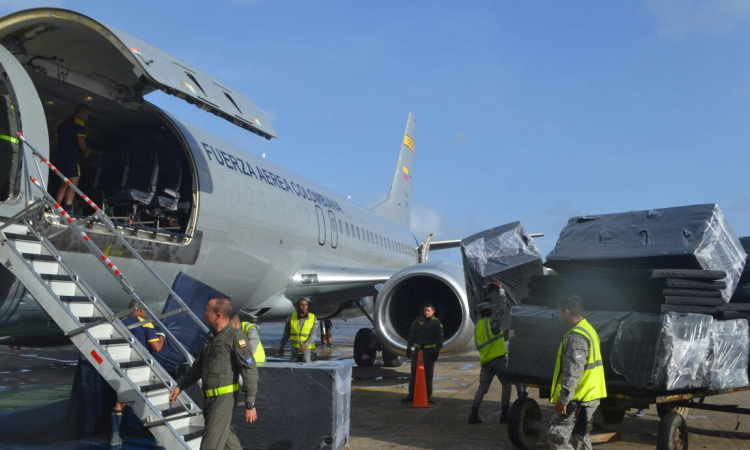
point(250, 406)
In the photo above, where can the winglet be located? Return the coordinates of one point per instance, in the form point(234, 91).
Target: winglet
point(397, 207)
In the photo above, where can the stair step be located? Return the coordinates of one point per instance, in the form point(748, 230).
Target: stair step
point(30, 245)
point(113, 341)
point(16, 228)
point(39, 257)
point(103, 331)
point(88, 319)
point(82, 310)
point(118, 351)
point(56, 277)
point(75, 299)
point(190, 432)
point(21, 237)
point(153, 387)
point(172, 410)
point(132, 364)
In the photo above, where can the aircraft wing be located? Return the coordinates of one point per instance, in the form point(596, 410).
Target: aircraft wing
point(336, 283)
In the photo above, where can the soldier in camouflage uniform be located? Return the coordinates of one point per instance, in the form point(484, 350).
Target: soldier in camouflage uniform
point(578, 382)
point(427, 334)
point(224, 357)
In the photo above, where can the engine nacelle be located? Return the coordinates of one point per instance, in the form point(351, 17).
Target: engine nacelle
point(401, 299)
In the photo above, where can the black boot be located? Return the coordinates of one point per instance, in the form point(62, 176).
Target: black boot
point(474, 417)
point(504, 414)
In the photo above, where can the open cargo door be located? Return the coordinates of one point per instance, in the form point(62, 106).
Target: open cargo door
point(124, 66)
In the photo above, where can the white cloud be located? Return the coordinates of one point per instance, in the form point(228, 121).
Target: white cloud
point(680, 18)
point(425, 220)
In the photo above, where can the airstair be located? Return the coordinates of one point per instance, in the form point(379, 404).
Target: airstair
point(85, 318)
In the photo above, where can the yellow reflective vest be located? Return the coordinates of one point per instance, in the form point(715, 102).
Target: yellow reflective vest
point(490, 345)
point(297, 336)
point(592, 385)
point(260, 352)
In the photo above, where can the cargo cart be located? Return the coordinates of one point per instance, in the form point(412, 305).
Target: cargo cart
point(525, 423)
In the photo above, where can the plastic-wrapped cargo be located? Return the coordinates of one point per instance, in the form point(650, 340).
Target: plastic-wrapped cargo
point(536, 333)
point(505, 254)
point(316, 396)
point(663, 352)
point(686, 237)
point(728, 358)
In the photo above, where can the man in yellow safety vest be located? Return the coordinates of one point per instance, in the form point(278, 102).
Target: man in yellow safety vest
point(252, 331)
point(578, 382)
point(301, 329)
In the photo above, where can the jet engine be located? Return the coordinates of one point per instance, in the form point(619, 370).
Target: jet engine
point(400, 301)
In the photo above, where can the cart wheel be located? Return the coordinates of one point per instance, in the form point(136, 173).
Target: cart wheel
point(523, 423)
point(665, 408)
point(673, 433)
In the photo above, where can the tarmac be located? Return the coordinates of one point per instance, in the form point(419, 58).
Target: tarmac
point(35, 384)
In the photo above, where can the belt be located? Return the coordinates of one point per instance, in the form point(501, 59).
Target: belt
point(222, 390)
point(425, 346)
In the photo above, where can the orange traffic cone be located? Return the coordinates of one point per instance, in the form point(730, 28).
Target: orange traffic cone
point(420, 386)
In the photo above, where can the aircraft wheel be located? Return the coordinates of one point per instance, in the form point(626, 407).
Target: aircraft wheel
point(524, 422)
point(673, 433)
point(364, 351)
point(665, 408)
point(391, 359)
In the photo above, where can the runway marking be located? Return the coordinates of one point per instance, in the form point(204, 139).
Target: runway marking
point(366, 389)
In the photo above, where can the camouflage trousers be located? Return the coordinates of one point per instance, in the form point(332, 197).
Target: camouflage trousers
point(490, 370)
point(560, 434)
point(305, 356)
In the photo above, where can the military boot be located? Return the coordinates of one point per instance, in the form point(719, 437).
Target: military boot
point(474, 417)
point(504, 414)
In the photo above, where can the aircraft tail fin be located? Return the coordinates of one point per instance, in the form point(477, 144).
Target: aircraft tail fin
point(397, 207)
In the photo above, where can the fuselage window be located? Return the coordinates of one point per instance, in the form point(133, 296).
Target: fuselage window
point(358, 235)
point(341, 227)
point(347, 228)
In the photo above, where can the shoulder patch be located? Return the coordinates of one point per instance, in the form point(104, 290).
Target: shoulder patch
point(249, 361)
point(242, 343)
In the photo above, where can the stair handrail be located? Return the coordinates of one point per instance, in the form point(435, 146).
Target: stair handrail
point(113, 320)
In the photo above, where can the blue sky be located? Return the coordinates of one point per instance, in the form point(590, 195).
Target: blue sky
point(531, 111)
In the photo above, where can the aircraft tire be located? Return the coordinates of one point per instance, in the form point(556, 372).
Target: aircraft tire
point(364, 352)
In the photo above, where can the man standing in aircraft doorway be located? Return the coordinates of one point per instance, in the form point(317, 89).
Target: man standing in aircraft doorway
point(427, 334)
point(302, 329)
point(224, 356)
point(71, 143)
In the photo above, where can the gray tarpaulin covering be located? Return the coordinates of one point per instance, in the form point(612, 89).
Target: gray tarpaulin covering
point(686, 237)
point(505, 254)
point(663, 351)
point(535, 335)
point(195, 294)
point(300, 407)
point(729, 354)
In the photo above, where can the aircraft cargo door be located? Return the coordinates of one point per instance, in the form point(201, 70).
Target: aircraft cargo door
point(20, 111)
point(321, 225)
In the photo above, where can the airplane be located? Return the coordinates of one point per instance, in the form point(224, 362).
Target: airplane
point(216, 212)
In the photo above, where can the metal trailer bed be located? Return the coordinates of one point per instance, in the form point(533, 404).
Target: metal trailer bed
point(525, 422)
